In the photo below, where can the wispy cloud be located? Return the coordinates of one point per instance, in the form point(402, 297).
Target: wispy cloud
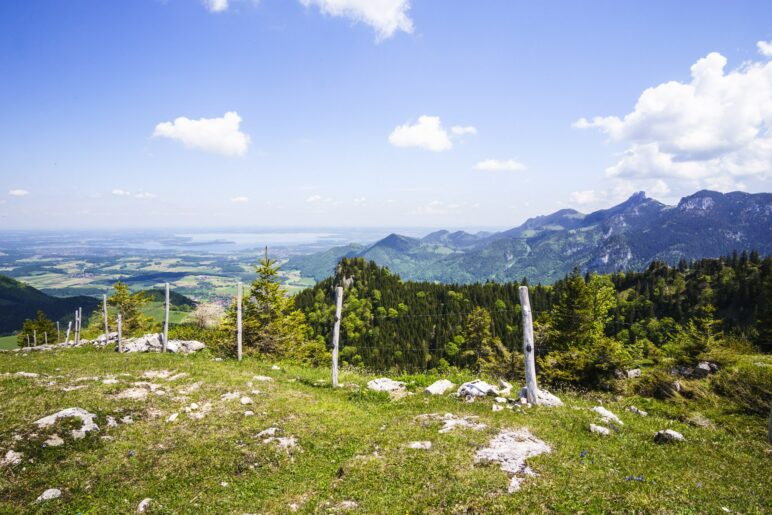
point(385, 16)
point(18, 193)
point(121, 193)
point(240, 200)
point(216, 6)
point(509, 165)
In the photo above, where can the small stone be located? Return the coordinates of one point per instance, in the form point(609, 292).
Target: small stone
point(249, 413)
point(11, 458)
point(172, 417)
point(224, 484)
point(667, 436)
point(275, 367)
point(422, 445)
point(245, 401)
point(50, 494)
point(636, 372)
point(633, 409)
point(268, 432)
point(263, 378)
point(54, 441)
point(599, 430)
point(144, 505)
point(497, 407)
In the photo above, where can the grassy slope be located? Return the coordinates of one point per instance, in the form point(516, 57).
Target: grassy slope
point(181, 465)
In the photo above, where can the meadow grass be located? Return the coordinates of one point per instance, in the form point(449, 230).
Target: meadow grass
point(351, 446)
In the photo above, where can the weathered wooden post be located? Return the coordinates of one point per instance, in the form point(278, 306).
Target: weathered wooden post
point(120, 341)
point(58, 334)
point(67, 336)
point(238, 320)
point(45, 337)
point(530, 365)
point(27, 339)
point(75, 329)
point(35, 337)
point(104, 311)
point(336, 334)
point(166, 319)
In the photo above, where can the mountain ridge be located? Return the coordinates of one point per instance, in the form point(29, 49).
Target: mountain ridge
point(544, 248)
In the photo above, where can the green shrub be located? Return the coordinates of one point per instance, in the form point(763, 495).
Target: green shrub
point(748, 385)
point(658, 384)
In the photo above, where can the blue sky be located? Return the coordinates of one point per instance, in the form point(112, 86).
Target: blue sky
point(431, 113)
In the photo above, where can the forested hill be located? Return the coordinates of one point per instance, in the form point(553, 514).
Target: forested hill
point(625, 237)
point(19, 301)
point(388, 322)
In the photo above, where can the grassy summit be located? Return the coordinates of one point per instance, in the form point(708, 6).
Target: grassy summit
point(351, 445)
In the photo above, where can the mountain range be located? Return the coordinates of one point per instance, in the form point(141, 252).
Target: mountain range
point(627, 236)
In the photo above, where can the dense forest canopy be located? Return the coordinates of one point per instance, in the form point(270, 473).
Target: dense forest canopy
point(388, 322)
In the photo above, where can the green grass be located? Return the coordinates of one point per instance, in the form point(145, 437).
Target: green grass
point(8, 342)
point(351, 447)
point(155, 310)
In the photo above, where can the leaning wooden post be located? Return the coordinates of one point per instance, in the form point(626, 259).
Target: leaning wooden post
point(336, 334)
point(58, 334)
point(67, 336)
point(238, 320)
point(530, 365)
point(120, 342)
point(166, 319)
point(104, 311)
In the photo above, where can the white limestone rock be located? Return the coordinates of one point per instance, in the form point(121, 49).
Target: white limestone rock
point(421, 445)
point(384, 384)
point(600, 430)
point(49, 495)
point(543, 398)
point(476, 388)
point(86, 419)
point(439, 387)
point(607, 416)
point(510, 449)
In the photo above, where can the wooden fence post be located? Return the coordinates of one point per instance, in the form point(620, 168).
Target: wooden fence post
point(27, 339)
point(35, 337)
point(104, 311)
point(530, 365)
point(166, 319)
point(67, 336)
point(120, 342)
point(58, 334)
point(336, 334)
point(45, 336)
point(238, 320)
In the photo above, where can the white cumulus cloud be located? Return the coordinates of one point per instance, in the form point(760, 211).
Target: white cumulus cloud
point(427, 133)
point(18, 193)
point(216, 6)
point(765, 48)
point(240, 200)
point(712, 131)
point(218, 135)
point(509, 165)
point(385, 16)
point(121, 193)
